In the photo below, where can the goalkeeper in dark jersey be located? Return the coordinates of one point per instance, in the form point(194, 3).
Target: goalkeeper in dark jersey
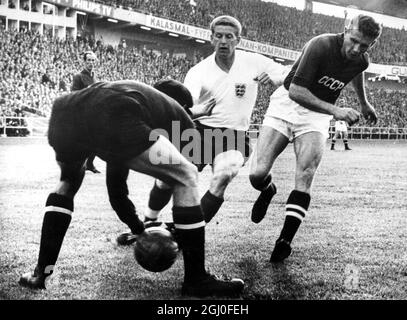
point(115, 121)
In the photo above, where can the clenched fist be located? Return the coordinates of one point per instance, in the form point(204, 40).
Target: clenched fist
point(351, 116)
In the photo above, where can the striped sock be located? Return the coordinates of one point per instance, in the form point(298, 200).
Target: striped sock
point(296, 209)
point(58, 215)
point(190, 230)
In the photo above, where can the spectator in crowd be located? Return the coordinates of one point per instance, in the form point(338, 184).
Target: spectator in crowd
point(80, 81)
point(46, 78)
point(86, 77)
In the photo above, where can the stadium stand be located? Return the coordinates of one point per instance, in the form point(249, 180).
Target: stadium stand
point(36, 68)
point(267, 22)
point(396, 8)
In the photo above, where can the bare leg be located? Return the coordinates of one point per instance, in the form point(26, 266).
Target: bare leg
point(308, 149)
point(182, 175)
point(269, 146)
point(174, 169)
point(226, 166)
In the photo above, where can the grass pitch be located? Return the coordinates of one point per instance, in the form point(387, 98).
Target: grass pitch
point(352, 244)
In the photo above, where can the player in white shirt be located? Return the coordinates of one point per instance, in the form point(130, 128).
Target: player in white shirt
point(341, 131)
point(234, 87)
point(231, 77)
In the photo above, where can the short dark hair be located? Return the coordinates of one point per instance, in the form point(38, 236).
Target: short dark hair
point(86, 53)
point(175, 90)
point(367, 26)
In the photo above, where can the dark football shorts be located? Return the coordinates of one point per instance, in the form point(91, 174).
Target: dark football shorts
point(114, 136)
point(218, 140)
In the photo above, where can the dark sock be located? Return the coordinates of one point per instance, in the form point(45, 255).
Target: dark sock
point(333, 144)
point(345, 142)
point(55, 224)
point(296, 208)
point(126, 212)
point(210, 205)
point(159, 198)
point(268, 190)
point(190, 230)
point(268, 193)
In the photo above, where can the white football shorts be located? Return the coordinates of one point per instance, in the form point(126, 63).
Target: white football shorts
point(293, 120)
point(341, 126)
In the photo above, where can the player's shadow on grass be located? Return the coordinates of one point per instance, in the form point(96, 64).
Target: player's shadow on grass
point(129, 281)
point(269, 281)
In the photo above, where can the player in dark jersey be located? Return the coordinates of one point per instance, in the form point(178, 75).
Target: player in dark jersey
point(118, 121)
point(301, 110)
point(116, 174)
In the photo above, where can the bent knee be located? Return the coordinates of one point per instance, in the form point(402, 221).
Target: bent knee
point(189, 176)
point(229, 160)
point(231, 157)
point(225, 175)
point(257, 179)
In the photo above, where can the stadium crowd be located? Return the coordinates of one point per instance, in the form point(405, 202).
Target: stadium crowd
point(267, 22)
point(37, 68)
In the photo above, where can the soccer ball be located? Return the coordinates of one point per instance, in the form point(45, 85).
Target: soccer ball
point(155, 249)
